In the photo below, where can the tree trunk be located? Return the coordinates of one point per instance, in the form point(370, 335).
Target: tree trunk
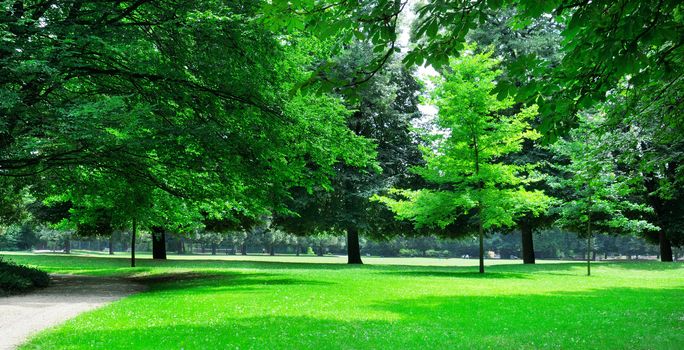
point(665, 247)
point(133, 233)
point(271, 250)
point(480, 232)
point(298, 248)
point(353, 247)
point(111, 244)
point(67, 245)
point(589, 248)
point(527, 240)
point(480, 185)
point(179, 249)
point(213, 248)
point(243, 249)
point(158, 243)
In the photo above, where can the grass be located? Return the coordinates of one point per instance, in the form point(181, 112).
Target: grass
point(225, 304)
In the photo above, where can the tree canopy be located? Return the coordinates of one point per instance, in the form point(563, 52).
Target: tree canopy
point(463, 155)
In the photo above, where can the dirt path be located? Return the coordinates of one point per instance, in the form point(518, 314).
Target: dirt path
point(68, 296)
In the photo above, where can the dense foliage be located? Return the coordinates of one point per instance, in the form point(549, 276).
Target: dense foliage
point(218, 119)
point(15, 278)
point(462, 158)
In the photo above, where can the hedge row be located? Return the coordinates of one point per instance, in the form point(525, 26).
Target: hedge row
point(18, 278)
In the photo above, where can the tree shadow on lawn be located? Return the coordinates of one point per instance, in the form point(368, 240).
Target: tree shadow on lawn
point(608, 318)
point(215, 281)
point(504, 271)
point(643, 265)
point(457, 274)
point(121, 266)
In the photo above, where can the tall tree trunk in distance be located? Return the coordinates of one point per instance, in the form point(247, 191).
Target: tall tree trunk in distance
point(243, 249)
point(158, 243)
point(353, 246)
point(589, 248)
point(527, 241)
point(133, 233)
point(111, 244)
point(480, 229)
point(67, 245)
point(271, 250)
point(213, 248)
point(665, 247)
point(298, 248)
point(660, 207)
point(480, 232)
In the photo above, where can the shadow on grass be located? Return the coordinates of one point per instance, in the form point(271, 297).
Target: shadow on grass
point(644, 265)
point(119, 266)
point(215, 281)
point(618, 318)
point(455, 274)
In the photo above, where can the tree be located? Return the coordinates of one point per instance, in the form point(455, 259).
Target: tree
point(187, 98)
point(651, 122)
point(21, 236)
point(542, 39)
point(384, 108)
point(235, 239)
point(268, 235)
point(599, 200)
point(463, 158)
point(322, 241)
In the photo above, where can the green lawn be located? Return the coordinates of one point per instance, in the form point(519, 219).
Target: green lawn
point(226, 304)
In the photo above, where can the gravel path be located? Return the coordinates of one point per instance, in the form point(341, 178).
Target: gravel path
point(66, 297)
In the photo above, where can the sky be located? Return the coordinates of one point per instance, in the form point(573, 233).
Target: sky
point(422, 73)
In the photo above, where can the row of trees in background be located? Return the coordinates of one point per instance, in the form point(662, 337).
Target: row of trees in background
point(275, 117)
point(551, 244)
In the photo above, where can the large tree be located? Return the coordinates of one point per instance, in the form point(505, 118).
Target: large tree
point(463, 159)
point(600, 197)
point(651, 143)
point(197, 100)
point(384, 108)
point(542, 39)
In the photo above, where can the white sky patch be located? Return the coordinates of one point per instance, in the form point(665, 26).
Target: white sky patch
point(422, 73)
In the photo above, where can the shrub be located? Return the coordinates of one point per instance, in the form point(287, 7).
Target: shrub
point(408, 252)
point(437, 253)
point(17, 278)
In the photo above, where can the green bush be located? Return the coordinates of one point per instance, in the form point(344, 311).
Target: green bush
point(437, 253)
point(408, 252)
point(18, 278)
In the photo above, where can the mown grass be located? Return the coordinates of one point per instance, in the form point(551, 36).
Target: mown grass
point(217, 304)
